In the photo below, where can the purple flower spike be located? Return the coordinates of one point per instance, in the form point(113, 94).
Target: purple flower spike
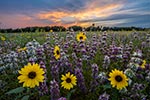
point(62, 98)
point(54, 90)
point(80, 80)
point(104, 96)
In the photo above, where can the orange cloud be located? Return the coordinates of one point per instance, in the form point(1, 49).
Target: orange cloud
point(83, 17)
point(55, 16)
point(91, 11)
point(18, 21)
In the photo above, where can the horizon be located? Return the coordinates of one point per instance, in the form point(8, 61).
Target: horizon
point(76, 25)
point(113, 13)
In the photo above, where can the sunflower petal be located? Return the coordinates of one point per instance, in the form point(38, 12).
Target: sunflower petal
point(28, 81)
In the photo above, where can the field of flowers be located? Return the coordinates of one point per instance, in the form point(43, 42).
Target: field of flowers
point(75, 66)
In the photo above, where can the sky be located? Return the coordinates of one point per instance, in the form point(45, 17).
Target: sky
point(25, 13)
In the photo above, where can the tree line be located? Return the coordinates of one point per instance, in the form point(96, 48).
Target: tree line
point(74, 28)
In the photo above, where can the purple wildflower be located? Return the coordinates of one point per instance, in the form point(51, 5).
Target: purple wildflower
point(62, 98)
point(43, 89)
point(104, 96)
point(54, 90)
point(55, 72)
point(80, 78)
point(94, 82)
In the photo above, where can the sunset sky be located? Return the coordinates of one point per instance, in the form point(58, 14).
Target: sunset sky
point(23, 13)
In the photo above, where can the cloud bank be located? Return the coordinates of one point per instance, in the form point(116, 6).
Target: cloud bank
point(23, 13)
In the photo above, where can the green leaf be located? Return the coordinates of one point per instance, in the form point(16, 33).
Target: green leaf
point(69, 94)
point(44, 97)
point(107, 86)
point(115, 94)
point(16, 90)
point(25, 97)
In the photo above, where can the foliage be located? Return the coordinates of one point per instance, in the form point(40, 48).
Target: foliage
point(74, 28)
point(90, 61)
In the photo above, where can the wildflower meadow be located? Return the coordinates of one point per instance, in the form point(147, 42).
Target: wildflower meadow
point(102, 65)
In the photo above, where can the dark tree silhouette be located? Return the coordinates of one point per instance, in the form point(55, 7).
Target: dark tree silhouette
point(75, 28)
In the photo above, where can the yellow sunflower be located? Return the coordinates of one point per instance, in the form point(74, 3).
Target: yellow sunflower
point(143, 64)
point(51, 30)
point(56, 52)
point(81, 37)
point(3, 38)
point(69, 80)
point(31, 75)
point(22, 49)
point(118, 79)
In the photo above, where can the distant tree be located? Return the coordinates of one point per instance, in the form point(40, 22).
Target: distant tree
point(75, 28)
point(9, 30)
point(89, 28)
point(47, 28)
point(62, 28)
point(55, 28)
point(98, 28)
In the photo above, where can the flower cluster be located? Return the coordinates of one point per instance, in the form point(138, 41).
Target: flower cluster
point(76, 65)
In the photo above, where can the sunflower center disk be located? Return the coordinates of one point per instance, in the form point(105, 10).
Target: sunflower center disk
point(57, 52)
point(118, 78)
point(32, 75)
point(68, 80)
point(81, 37)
